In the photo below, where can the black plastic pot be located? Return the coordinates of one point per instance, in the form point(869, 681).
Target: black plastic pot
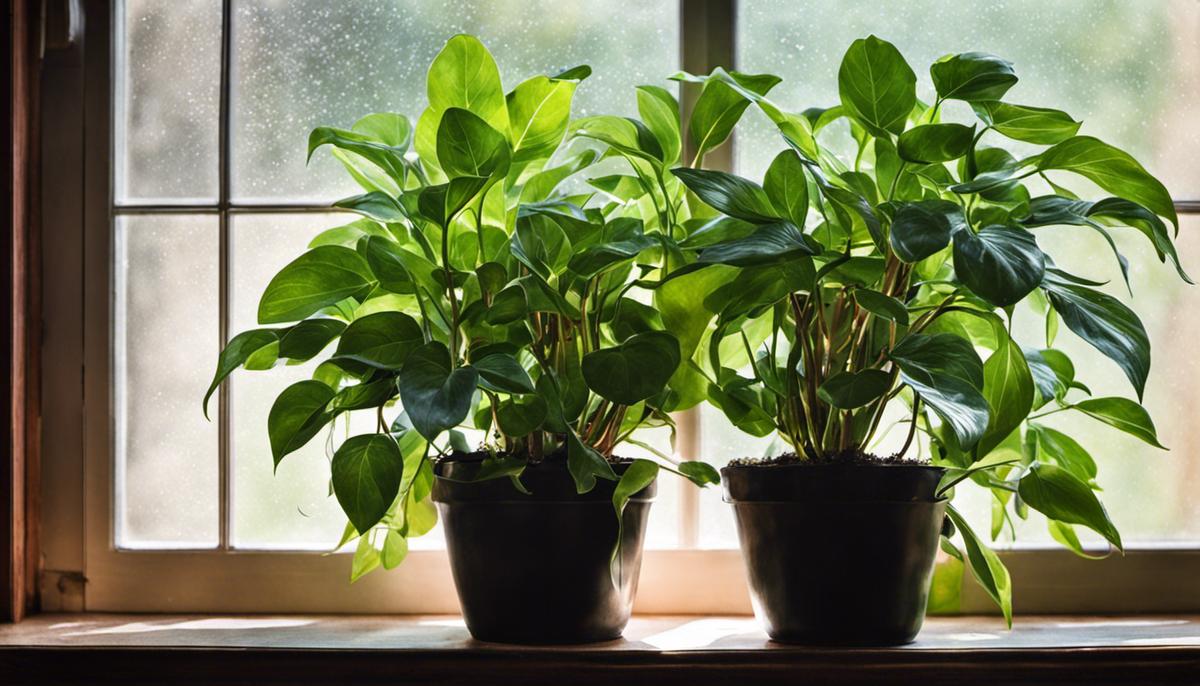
point(838, 554)
point(535, 569)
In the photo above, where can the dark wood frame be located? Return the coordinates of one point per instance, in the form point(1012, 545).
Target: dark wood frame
point(19, 461)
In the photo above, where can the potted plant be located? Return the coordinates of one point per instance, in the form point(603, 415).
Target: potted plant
point(478, 293)
point(844, 294)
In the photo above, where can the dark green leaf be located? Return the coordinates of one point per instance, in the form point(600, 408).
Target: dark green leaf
point(637, 476)
point(921, 229)
point(882, 306)
point(1123, 414)
point(730, 194)
point(296, 416)
point(946, 372)
point(366, 473)
point(467, 146)
point(435, 397)
point(1103, 321)
point(1058, 494)
point(972, 76)
point(1113, 170)
point(1001, 264)
point(319, 278)
point(382, 340)
point(585, 464)
point(848, 390)
point(521, 416)
point(877, 86)
point(503, 373)
point(932, 143)
point(989, 571)
point(375, 205)
point(699, 473)
point(240, 348)
point(769, 244)
point(508, 306)
point(634, 370)
point(307, 339)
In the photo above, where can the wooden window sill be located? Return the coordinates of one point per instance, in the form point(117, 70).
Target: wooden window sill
point(300, 649)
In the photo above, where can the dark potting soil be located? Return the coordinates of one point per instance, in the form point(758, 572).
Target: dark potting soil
point(848, 458)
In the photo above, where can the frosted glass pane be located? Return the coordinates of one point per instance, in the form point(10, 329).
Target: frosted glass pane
point(1129, 70)
point(300, 64)
point(167, 100)
point(165, 318)
point(292, 507)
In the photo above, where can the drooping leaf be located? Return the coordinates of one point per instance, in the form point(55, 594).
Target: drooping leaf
point(945, 371)
point(986, 566)
point(319, 278)
point(241, 347)
point(699, 473)
point(375, 205)
point(972, 76)
point(1113, 170)
point(1105, 323)
point(307, 339)
point(1001, 264)
point(366, 473)
point(503, 373)
point(382, 340)
point(1123, 414)
point(637, 476)
point(634, 370)
point(1058, 494)
point(850, 390)
point(435, 396)
point(877, 86)
point(296, 416)
point(585, 464)
point(1056, 446)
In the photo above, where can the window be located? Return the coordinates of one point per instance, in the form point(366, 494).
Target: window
point(198, 192)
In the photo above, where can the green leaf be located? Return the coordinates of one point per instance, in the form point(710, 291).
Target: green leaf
point(467, 146)
point(882, 306)
point(1123, 414)
point(787, 187)
point(986, 566)
point(1056, 446)
point(585, 464)
point(503, 373)
point(699, 473)
point(946, 372)
point(848, 390)
point(1029, 124)
point(382, 340)
point(307, 339)
point(721, 105)
point(594, 259)
point(1001, 264)
point(240, 348)
point(877, 86)
point(435, 396)
point(366, 478)
point(933, 143)
point(366, 559)
point(634, 370)
point(972, 76)
point(732, 195)
point(363, 396)
point(319, 278)
point(508, 306)
point(464, 75)
point(395, 549)
point(769, 244)
point(921, 229)
point(538, 111)
point(375, 205)
point(1008, 388)
point(1113, 170)
point(1105, 323)
point(637, 476)
point(521, 416)
point(386, 156)
point(1058, 494)
point(296, 416)
point(660, 112)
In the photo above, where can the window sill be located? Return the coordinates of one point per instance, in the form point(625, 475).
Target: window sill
point(299, 649)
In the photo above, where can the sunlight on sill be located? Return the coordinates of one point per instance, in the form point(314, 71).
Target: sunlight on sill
point(700, 633)
point(211, 624)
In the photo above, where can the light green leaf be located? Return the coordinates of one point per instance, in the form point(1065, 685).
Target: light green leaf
point(1123, 414)
point(319, 278)
point(787, 187)
point(986, 566)
point(1037, 125)
point(464, 75)
point(538, 111)
point(1008, 388)
point(241, 347)
point(933, 143)
point(660, 112)
point(877, 86)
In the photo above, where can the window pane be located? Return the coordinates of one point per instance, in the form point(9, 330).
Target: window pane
point(165, 339)
point(168, 96)
point(1129, 70)
point(301, 64)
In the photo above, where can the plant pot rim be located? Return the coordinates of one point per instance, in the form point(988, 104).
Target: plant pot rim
point(549, 483)
point(833, 484)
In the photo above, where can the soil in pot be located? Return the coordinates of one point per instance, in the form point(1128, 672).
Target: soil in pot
point(537, 568)
point(838, 551)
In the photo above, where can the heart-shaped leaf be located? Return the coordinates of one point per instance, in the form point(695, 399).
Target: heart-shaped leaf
point(296, 416)
point(933, 143)
point(972, 76)
point(1001, 264)
point(503, 373)
point(849, 390)
point(435, 396)
point(634, 370)
point(921, 229)
point(383, 340)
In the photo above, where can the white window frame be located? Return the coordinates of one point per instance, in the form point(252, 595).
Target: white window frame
point(84, 569)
